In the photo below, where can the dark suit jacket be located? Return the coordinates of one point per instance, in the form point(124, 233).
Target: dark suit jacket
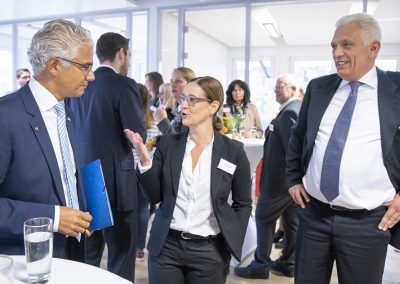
point(110, 104)
point(277, 134)
point(162, 180)
point(30, 180)
point(317, 98)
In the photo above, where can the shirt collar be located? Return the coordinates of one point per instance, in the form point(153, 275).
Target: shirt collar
point(190, 143)
point(43, 97)
point(369, 79)
point(281, 107)
point(108, 66)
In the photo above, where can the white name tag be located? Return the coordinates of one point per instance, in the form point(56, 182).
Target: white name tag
point(271, 127)
point(226, 166)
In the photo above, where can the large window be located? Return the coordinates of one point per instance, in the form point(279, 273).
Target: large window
point(307, 69)
point(6, 77)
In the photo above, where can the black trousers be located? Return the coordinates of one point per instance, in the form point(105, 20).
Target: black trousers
point(352, 239)
point(121, 245)
point(268, 210)
point(190, 262)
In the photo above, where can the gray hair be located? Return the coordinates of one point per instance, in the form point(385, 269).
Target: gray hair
point(369, 27)
point(57, 38)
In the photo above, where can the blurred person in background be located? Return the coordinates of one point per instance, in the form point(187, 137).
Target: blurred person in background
point(23, 75)
point(153, 81)
point(179, 78)
point(238, 101)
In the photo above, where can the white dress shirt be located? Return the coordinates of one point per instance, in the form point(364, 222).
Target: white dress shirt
point(46, 102)
point(363, 180)
point(193, 211)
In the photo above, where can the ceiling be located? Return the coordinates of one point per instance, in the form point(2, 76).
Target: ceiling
point(301, 23)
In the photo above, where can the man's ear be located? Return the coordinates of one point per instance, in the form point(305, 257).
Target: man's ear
point(120, 54)
point(375, 46)
point(53, 66)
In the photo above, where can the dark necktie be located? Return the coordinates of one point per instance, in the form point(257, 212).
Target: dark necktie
point(334, 149)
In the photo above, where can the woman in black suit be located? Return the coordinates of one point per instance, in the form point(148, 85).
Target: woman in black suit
point(193, 174)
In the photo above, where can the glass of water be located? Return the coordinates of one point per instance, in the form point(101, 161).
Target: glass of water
point(38, 236)
point(6, 263)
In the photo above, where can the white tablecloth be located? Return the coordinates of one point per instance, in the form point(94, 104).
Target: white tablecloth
point(66, 272)
point(254, 150)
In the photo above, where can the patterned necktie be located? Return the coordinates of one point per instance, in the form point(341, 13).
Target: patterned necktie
point(67, 174)
point(334, 149)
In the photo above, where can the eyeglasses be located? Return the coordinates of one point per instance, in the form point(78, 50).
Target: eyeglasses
point(25, 77)
point(85, 68)
point(178, 81)
point(192, 100)
point(277, 89)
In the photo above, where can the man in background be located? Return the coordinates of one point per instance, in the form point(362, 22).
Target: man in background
point(34, 179)
point(343, 162)
point(110, 104)
point(23, 75)
point(274, 200)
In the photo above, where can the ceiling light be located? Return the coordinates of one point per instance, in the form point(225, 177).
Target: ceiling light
point(272, 30)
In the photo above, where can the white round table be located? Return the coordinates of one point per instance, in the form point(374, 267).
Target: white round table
point(66, 272)
point(254, 149)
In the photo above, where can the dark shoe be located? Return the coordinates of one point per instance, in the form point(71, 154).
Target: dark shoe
point(254, 271)
point(280, 268)
point(278, 236)
point(280, 244)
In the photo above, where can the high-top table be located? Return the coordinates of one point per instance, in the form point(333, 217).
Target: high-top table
point(66, 272)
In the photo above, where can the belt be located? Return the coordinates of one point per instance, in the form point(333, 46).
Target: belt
point(188, 236)
point(335, 209)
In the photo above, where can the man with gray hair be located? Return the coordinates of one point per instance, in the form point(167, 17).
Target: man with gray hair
point(343, 162)
point(274, 200)
point(38, 157)
point(23, 75)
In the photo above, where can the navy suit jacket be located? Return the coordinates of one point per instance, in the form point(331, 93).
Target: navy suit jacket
point(161, 184)
point(110, 104)
point(317, 98)
point(30, 180)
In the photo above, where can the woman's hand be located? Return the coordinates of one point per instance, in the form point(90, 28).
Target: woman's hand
point(140, 148)
point(159, 114)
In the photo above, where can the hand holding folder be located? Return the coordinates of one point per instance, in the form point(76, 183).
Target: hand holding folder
point(96, 196)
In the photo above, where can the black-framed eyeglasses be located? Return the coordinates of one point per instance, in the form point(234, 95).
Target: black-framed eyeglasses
point(85, 68)
point(192, 100)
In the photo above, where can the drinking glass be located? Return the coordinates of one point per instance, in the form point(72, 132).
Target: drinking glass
point(38, 236)
point(6, 263)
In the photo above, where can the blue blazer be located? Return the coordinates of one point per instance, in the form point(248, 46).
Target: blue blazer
point(161, 184)
point(30, 180)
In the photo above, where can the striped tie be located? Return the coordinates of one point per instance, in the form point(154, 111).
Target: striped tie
point(67, 174)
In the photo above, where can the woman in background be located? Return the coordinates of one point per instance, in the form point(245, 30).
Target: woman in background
point(192, 175)
point(166, 100)
point(153, 81)
point(238, 101)
point(179, 78)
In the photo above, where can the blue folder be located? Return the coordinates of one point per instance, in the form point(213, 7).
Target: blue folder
point(96, 196)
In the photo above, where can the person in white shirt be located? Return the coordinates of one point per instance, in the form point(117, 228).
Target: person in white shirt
point(202, 181)
point(343, 162)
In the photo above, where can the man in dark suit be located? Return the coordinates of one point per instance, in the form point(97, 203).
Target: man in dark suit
point(348, 209)
point(110, 104)
point(274, 200)
point(31, 159)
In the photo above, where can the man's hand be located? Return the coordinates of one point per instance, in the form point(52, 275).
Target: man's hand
point(73, 222)
point(299, 194)
point(392, 215)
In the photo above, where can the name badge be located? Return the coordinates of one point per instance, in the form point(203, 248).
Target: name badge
point(271, 127)
point(227, 166)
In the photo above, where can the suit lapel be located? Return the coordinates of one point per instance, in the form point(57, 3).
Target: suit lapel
point(177, 154)
point(388, 105)
point(216, 176)
point(318, 104)
point(42, 136)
